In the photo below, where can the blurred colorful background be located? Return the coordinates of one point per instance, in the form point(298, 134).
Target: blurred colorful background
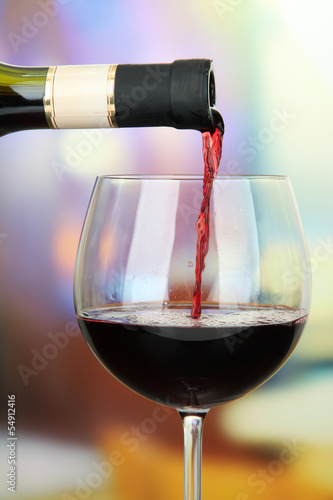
point(80, 433)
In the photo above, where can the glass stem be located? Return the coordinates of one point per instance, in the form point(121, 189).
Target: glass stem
point(192, 425)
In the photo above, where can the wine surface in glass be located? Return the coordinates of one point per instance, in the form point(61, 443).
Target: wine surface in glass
point(160, 352)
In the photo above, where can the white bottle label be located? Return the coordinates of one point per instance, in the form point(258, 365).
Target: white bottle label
point(80, 96)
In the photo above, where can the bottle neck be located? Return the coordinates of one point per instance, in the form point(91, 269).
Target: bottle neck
point(180, 95)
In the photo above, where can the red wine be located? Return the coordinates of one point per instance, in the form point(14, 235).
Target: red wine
point(212, 151)
point(160, 352)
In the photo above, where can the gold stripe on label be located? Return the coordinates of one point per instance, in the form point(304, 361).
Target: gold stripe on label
point(111, 105)
point(48, 99)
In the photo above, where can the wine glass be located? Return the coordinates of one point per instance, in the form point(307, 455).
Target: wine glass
point(134, 281)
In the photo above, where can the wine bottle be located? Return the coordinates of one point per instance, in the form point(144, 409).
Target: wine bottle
point(179, 94)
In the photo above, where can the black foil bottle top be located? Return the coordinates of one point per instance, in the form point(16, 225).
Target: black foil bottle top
point(180, 95)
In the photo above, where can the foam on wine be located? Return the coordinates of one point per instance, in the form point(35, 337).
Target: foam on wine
point(224, 317)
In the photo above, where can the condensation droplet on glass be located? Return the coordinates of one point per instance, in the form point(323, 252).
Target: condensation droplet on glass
point(190, 263)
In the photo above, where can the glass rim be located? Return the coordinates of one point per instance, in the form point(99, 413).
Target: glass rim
point(191, 177)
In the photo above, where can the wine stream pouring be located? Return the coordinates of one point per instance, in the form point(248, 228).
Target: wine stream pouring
point(179, 94)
